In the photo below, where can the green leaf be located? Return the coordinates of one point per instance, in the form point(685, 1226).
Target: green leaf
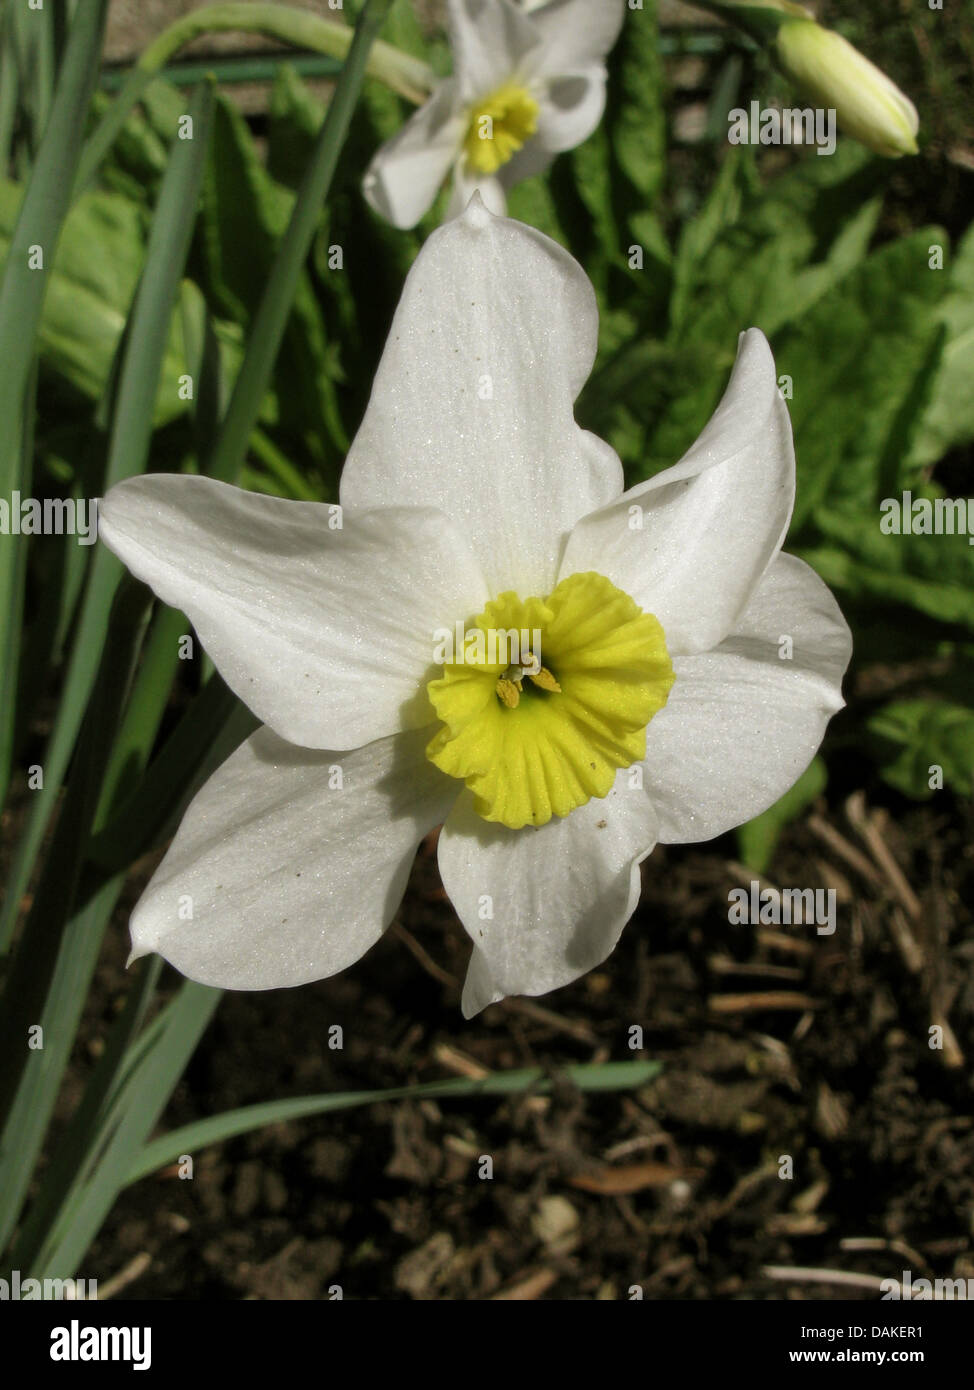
point(635, 114)
point(128, 453)
point(949, 416)
point(605, 1076)
point(132, 1110)
point(932, 574)
point(916, 739)
point(861, 363)
point(271, 318)
point(39, 222)
point(90, 291)
point(245, 215)
point(752, 256)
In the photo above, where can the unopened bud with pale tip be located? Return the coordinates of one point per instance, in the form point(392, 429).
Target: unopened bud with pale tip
point(831, 72)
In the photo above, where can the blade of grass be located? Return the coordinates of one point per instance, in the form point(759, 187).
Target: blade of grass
point(42, 212)
point(30, 37)
point(34, 1102)
point(13, 571)
point(80, 1141)
point(291, 480)
point(42, 23)
point(136, 1109)
point(134, 1112)
point(9, 90)
point(212, 726)
point(128, 452)
point(22, 288)
point(605, 1076)
point(275, 305)
point(144, 711)
point(51, 967)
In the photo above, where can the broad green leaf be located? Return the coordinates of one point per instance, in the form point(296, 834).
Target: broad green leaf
point(91, 289)
point(923, 744)
point(860, 362)
point(635, 114)
point(949, 417)
point(933, 574)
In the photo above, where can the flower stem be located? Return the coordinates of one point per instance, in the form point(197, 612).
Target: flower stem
point(404, 74)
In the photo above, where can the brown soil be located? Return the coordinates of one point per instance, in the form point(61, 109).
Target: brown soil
point(813, 1047)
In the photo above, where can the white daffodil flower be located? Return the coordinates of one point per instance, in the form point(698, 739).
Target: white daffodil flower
point(527, 84)
point(655, 703)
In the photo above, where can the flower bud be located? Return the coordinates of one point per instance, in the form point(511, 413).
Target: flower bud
point(833, 73)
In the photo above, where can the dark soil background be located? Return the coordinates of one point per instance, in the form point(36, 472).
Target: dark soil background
point(774, 1042)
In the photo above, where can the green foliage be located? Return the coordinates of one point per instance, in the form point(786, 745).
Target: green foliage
point(917, 739)
point(90, 291)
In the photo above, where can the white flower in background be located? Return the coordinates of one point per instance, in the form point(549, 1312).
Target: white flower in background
point(662, 711)
point(527, 83)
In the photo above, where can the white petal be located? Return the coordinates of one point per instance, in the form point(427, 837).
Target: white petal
point(742, 724)
point(287, 878)
point(471, 411)
point(710, 525)
point(327, 635)
point(406, 172)
point(490, 40)
point(571, 109)
point(559, 895)
point(575, 33)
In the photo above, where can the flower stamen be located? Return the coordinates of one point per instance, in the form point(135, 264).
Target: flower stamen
point(510, 685)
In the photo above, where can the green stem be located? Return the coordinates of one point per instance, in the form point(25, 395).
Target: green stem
point(408, 76)
point(761, 19)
